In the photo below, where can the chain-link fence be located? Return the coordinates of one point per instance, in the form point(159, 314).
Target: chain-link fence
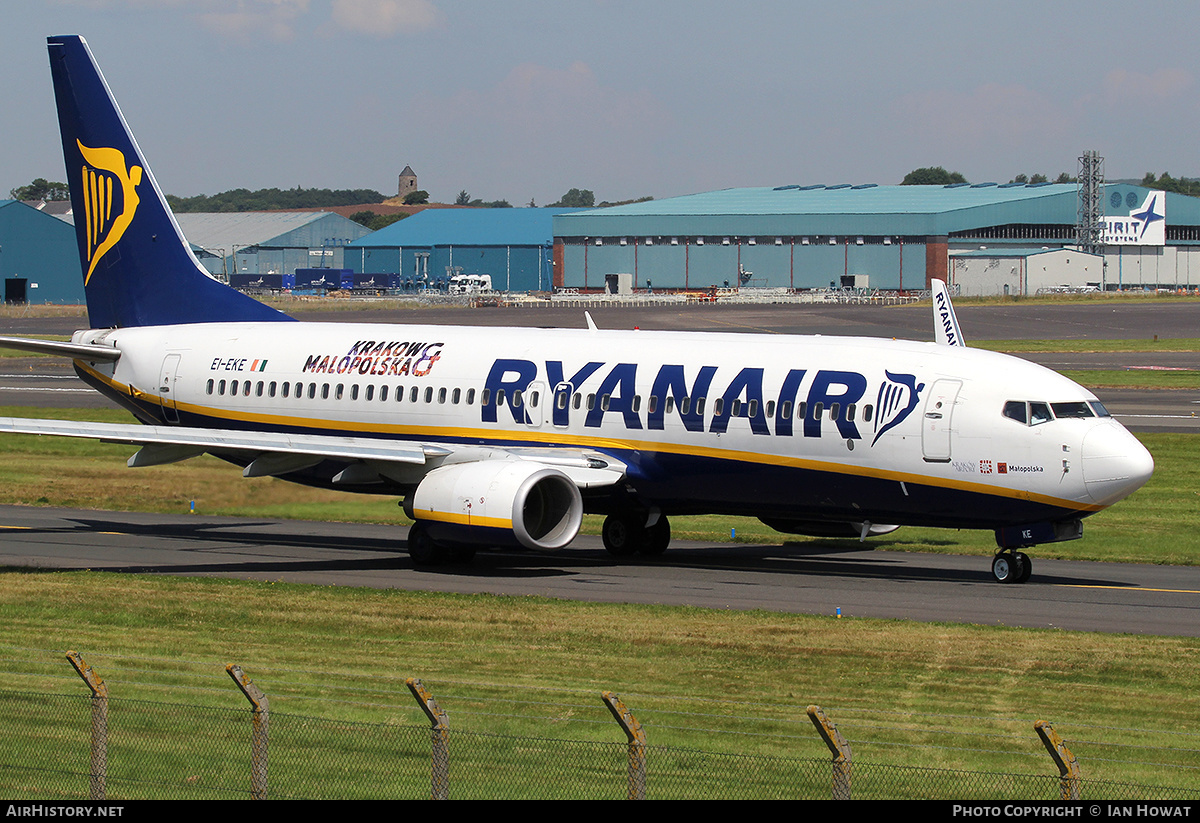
point(177, 751)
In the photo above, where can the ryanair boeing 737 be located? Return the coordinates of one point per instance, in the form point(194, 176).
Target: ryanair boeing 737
point(506, 436)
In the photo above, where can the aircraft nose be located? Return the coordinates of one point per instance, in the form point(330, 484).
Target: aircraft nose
point(1115, 464)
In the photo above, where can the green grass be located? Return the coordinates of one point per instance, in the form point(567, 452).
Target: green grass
point(944, 696)
point(941, 696)
point(1135, 378)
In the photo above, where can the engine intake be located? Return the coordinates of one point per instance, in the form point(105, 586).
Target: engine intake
point(498, 502)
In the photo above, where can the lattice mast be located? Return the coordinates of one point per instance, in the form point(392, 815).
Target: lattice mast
point(1089, 226)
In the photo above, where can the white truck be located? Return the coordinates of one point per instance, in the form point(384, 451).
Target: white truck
point(470, 284)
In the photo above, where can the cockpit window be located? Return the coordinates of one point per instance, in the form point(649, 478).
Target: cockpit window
point(1039, 413)
point(1015, 410)
point(1062, 410)
point(1034, 412)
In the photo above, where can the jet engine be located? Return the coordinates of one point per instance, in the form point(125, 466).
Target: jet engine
point(498, 502)
point(822, 528)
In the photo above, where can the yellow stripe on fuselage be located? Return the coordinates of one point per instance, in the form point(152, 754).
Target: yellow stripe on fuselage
point(558, 438)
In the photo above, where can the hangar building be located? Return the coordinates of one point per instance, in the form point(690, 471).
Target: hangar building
point(512, 245)
point(39, 256)
point(878, 237)
point(268, 242)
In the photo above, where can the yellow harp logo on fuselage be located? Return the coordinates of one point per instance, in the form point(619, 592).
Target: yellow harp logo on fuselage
point(101, 169)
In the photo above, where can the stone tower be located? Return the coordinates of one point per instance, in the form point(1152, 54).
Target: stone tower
point(408, 182)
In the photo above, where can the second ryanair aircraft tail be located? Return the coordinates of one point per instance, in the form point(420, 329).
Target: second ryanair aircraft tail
point(138, 269)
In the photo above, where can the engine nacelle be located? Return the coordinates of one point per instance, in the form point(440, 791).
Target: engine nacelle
point(821, 528)
point(498, 502)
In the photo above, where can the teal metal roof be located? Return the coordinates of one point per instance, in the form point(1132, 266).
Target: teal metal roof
point(840, 209)
point(467, 227)
point(838, 199)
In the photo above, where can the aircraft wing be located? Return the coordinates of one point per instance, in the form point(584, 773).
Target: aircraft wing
point(272, 453)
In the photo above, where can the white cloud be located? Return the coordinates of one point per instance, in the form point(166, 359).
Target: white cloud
point(384, 18)
point(1124, 85)
point(247, 19)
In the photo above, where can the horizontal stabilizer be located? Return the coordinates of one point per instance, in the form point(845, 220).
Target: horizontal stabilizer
point(77, 351)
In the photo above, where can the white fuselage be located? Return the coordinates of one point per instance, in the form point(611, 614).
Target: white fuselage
point(781, 426)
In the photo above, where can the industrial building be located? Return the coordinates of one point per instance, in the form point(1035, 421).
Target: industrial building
point(268, 242)
point(881, 237)
point(39, 256)
point(513, 246)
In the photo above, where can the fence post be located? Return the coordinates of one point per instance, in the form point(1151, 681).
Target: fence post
point(1068, 768)
point(259, 737)
point(637, 744)
point(838, 747)
point(99, 764)
point(440, 735)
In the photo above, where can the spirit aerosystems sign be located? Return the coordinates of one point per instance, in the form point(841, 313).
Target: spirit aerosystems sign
point(1130, 223)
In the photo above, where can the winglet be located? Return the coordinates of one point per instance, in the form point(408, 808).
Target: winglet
point(945, 324)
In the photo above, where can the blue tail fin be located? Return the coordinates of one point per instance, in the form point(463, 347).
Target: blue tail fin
point(137, 268)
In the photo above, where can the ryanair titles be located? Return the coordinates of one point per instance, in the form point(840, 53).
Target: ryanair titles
point(691, 389)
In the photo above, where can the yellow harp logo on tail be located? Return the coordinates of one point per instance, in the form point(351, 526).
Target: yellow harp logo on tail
point(102, 168)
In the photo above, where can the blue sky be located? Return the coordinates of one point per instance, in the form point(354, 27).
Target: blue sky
point(524, 99)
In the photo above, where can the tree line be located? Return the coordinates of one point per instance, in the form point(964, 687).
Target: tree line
point(273, 199)
point(938, 176)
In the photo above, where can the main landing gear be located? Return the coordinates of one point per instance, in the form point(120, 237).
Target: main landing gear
point(626, 534)
point(425, 551)
point(1011, 567)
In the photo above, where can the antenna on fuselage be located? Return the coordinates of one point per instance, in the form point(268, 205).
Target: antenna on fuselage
point(945, 324)
point(591, 323)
